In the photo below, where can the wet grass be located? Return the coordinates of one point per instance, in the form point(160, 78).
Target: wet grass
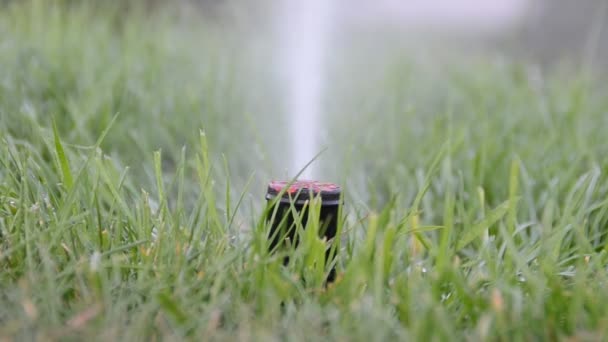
point(130, 207)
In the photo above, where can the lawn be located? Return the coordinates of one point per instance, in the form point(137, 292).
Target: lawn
point(135, 147)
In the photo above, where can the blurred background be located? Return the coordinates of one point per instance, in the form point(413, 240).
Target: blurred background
point(387, 81)
point(540, 30)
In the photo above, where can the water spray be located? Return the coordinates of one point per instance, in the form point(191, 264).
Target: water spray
point(304, 28)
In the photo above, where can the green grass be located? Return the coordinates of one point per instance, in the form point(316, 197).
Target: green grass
point(476, 192)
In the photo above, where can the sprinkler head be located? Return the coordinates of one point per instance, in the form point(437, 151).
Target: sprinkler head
point(298, 193)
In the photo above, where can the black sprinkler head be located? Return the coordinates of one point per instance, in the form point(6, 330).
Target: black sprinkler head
point(297, 194)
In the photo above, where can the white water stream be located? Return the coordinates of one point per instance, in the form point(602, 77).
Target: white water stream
point(304, 30)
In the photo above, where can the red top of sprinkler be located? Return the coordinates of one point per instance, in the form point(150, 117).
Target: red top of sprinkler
point(301, 190)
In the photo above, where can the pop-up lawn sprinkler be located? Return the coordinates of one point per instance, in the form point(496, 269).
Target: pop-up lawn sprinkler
point(298, 193)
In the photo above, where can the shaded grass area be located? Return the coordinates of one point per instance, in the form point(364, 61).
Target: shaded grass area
point(476, 194)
